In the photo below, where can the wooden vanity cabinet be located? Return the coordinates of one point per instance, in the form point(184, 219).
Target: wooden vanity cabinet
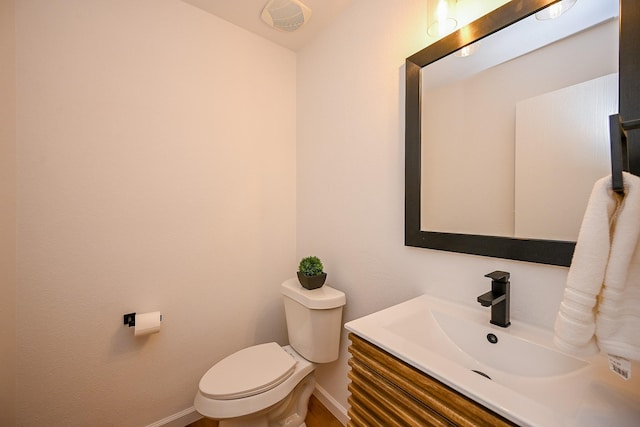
point(386, 391)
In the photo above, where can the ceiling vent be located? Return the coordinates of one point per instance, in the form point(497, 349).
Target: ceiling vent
point(286, 15)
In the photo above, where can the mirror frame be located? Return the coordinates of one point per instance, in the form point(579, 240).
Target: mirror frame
point(553, 252)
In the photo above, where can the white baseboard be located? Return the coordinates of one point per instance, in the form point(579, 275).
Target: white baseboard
point(190, 415)
point(331, 404)
point(180, 419)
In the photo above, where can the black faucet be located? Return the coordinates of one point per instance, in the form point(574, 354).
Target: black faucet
point(498, 298)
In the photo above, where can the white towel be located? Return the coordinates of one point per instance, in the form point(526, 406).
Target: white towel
point(601, 305)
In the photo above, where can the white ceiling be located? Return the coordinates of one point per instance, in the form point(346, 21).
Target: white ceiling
point(246, 14)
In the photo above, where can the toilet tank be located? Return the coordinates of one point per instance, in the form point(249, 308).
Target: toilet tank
point(314, 320)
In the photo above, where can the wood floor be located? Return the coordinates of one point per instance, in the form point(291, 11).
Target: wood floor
point(318, 416)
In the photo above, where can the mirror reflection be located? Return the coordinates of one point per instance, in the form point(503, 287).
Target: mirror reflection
point(515, 134)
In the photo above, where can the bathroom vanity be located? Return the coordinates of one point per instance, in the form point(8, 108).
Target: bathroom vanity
point(433, 362)
point(387, 391)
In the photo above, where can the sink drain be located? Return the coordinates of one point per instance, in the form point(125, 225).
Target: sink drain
point(481, 373)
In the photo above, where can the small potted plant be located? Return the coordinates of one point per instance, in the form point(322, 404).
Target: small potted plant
point(310, 273)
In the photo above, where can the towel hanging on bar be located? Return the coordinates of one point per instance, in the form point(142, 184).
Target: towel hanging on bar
point(619, 149)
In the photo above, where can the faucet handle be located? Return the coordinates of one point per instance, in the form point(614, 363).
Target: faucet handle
point(499, 276)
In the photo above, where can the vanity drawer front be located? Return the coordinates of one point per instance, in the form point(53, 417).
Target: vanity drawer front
point(376, 401)
point(388, 392)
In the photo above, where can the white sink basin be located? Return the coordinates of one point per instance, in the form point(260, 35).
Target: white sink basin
point(507, 353)
point(522, 376)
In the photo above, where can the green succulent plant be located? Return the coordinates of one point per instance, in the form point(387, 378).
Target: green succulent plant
point(310, 266)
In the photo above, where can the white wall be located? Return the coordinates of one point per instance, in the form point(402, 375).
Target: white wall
point(350, 158)
point(156, 171)
point(7, 212)
point(590, 104)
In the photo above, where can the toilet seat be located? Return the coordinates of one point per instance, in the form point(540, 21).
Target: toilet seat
point(230, 408)
point(248, 372)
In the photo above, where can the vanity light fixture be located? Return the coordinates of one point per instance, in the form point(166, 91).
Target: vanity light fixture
point(441, 18)
point(555, 10)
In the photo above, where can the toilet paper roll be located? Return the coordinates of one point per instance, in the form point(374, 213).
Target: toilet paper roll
point(147, 323)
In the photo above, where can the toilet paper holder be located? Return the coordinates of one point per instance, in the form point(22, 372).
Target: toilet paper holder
point(130, 319)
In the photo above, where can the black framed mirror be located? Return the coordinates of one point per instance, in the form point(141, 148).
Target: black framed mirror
point(538, 250)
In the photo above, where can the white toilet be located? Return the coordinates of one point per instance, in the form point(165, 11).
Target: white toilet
point(269, 385)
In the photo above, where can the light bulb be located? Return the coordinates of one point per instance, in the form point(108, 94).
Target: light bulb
point(441, 17)
point(555, 10)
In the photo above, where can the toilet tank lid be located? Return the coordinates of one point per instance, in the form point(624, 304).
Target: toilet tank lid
point(322, 298)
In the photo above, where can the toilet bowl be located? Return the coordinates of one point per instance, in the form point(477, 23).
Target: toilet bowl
point(267, 384)
point(231, 389)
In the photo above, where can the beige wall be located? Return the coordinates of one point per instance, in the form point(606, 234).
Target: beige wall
point(157, 156)
point(7, 212)
point(351, 116)
point(156, 171)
